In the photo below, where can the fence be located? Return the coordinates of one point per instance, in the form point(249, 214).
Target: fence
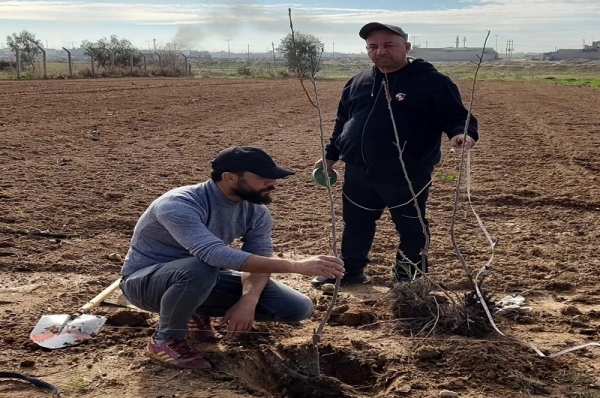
point(77, 63)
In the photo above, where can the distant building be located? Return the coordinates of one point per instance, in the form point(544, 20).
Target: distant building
point(75, 53)
point(588, 52)
point(6, 53)
point(451, 54)
point(199, 54)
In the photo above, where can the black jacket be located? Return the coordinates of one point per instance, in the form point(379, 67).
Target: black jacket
point(425, 104)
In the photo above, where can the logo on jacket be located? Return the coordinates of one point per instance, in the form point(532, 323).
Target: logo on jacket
point(400, 96)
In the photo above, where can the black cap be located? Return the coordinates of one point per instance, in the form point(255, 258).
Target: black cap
point(245, 158)
point(372, 26)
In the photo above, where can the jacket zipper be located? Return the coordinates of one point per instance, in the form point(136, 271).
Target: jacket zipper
point(362, 136)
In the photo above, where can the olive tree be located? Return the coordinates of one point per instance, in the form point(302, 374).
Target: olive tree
point(302, 53)
point(28, 45)
point(103, 48)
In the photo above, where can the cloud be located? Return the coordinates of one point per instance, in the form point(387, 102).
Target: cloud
point(247, 17)
point(81, 11)
point(505, 12)
point(246, 20)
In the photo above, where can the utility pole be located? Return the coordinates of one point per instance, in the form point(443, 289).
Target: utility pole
point(154, 44)
point(509, 48)
point(47, 43)
point(228, 48)
point(248, 51)
point(496, 43)
point(148, 42)
point(415, 41)
point(72, 43)
point(273, 46)
point(333, 53)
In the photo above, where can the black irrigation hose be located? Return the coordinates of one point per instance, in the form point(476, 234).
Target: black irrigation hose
point(32, 380)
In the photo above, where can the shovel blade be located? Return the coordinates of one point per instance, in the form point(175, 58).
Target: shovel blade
point(61, 331)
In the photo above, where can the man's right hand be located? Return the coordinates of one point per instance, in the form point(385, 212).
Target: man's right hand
point(328, 162)
point(326, 266)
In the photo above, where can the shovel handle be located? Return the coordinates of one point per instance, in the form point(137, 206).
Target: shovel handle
point(100, 297)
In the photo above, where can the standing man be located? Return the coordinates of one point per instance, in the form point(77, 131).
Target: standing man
point(180, 266)
point(425, 104)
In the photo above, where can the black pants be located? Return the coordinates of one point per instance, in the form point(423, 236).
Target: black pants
point(377, 193)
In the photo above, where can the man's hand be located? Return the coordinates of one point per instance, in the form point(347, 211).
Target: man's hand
point(457, 142)
point(239, 318)
point(327, 266)
point(329, 164)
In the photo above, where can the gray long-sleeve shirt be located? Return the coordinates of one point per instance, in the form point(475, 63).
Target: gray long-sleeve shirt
point(198, 220)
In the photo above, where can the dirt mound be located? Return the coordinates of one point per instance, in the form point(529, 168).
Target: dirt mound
point(289, 371)
point(503, 363)
point(128, 318)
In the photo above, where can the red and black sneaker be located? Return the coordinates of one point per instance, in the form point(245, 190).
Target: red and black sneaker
point(176, 353)
point(200, 329)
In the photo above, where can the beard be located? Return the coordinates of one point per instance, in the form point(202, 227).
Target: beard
point(259, 197)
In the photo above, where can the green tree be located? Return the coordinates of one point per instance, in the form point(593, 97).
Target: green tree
point(121, 48)
point(302, 53)
point(26, 42)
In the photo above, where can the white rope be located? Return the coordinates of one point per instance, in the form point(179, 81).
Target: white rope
point(488, 236)
point(492, 244)
point(400, 205)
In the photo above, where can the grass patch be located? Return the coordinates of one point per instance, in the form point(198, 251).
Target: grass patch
point(79, 385)
point(572, 73)
point(577, 81)
point(448, 177)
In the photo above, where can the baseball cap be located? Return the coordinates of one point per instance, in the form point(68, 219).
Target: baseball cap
point(245, 158)
point(366, 30)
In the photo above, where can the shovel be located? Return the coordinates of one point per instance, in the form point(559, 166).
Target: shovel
point(60, 331)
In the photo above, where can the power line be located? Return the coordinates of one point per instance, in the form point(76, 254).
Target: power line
point(509, 48)
point(228, 48)
point(273, 46)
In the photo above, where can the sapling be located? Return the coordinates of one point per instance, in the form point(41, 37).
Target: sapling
point(314, 63)
point(425, 250)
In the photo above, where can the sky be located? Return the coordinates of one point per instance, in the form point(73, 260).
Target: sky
point(532, 25)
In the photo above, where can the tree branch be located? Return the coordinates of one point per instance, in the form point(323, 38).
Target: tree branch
point(317, 104)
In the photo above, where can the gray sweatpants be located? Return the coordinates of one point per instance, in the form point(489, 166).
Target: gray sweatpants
point(178, 289)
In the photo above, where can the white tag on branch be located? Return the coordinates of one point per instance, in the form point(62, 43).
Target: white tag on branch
point(513, 305)
point(518, 300)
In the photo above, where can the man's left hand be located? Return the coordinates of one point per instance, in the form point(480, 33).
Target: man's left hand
point(239, 318)
point(457, 142)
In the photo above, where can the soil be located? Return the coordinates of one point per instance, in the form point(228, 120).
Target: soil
point(83, 159)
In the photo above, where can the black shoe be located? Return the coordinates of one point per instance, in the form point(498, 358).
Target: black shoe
point(346, 280)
